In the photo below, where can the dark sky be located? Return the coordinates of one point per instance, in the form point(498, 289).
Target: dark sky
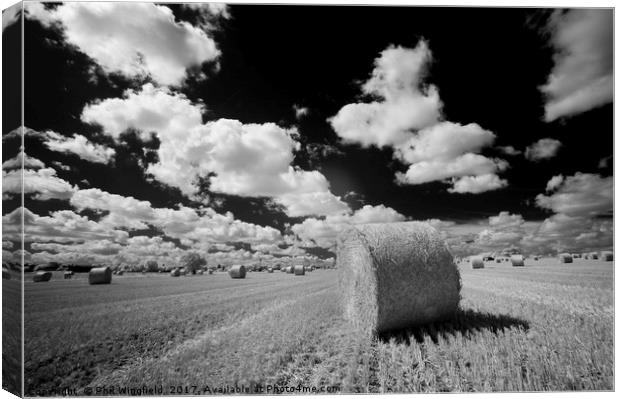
point(488, 65)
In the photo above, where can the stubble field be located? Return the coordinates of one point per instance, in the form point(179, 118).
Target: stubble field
point(547, 326)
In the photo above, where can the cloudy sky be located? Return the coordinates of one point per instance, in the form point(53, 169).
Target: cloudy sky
point(254, 132)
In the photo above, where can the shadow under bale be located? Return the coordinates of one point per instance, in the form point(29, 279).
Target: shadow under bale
point(465, 322)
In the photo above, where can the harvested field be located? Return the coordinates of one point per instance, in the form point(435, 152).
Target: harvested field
point(545, 326)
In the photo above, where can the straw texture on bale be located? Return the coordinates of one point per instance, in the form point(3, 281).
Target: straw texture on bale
point(237, 271)
point(566, 258)
point(396, 275)
point(517, 260)
point(299, 270)
point(607, 256)
point(40, 277)
point(100, 275)
point(477, 262)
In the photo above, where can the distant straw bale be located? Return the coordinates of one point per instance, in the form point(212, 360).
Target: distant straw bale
point(396, 275)
point(517, 260)
point(100, 275)
point(477, 262)
point(299, 270)
point(237, 271)
point(565, 258)
point(607, 256)
point(41, 277)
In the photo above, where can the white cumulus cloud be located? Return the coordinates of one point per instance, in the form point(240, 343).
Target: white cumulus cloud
point(542, 149)
point(584, 194)
point(406, 116)
point(253, 160)
point(80, 146)
point(582, 75)
point(134, 39)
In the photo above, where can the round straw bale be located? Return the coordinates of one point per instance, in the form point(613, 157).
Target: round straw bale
point(498, 260)
point(396, 275)
point(517, 260)
point(100, 275)
point(67, 275)
point(299, 270)
point(270, 270)
point(175, 273)
point(477, 262)
point(290, 269)
point(607, 256)
point(40, 277)
point(6, 274)
point(565, 258)
point(594, 255)
point(237, 271)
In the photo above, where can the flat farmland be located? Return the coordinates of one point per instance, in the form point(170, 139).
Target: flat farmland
point(546, 326)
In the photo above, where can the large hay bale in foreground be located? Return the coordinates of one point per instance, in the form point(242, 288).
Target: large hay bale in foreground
point(565, 258)
point(517, 260)
point(477, 262)
point(607, 256)
point(396, 275)
point(299, 270)
point(100, 275)
point(237, 271)
point(40, 277)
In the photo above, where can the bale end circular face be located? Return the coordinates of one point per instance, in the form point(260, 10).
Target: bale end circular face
point(395, 276)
